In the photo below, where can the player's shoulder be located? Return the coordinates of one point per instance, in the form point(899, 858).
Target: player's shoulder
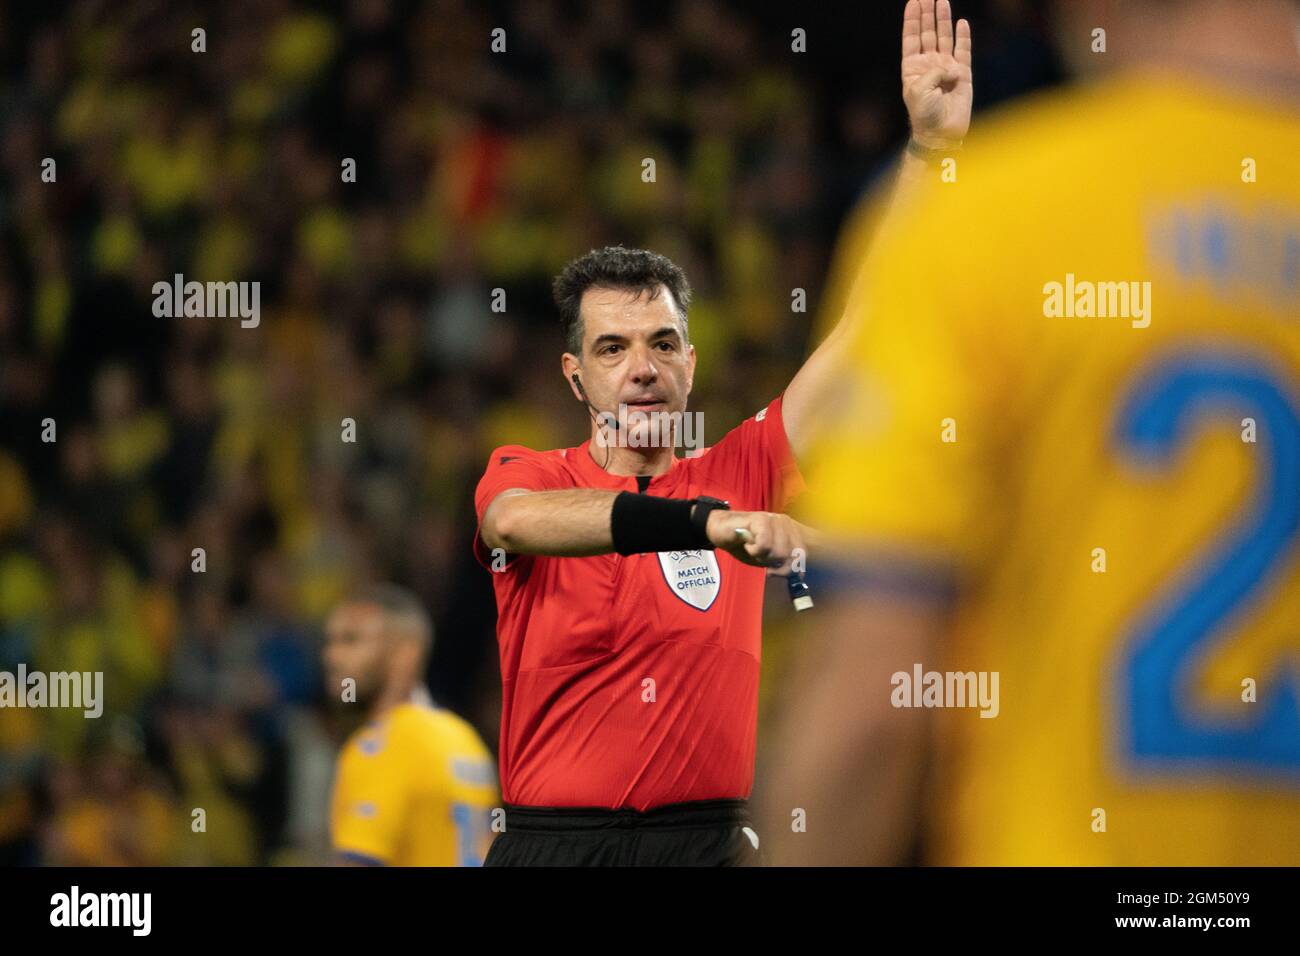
point(1031, 116)
point(1069, 132)
point(367, 745)
point(1097, 139)
point(1106, 131)
point(434, 729)
point(443, 748)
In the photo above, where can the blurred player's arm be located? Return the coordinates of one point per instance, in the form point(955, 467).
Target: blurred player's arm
point(367, 808)
point(938, 92)
point(843, 755)
point(910, 514)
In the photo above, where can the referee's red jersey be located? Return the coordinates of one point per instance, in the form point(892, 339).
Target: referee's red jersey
point(633, 681)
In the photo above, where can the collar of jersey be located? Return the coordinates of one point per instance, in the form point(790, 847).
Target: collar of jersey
point(599, 478)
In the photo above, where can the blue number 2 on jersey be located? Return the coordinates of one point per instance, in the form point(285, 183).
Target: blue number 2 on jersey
point(1156, 421)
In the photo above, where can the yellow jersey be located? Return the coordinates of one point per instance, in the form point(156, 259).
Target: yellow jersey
point(415, 788)
point(1077, 392)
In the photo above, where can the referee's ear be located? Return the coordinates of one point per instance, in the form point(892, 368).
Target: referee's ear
point(571, 365)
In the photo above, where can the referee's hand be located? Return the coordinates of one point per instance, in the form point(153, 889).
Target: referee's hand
point(760, 538)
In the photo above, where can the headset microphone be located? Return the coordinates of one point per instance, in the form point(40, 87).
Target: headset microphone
point(611, 419)
point(591, 410)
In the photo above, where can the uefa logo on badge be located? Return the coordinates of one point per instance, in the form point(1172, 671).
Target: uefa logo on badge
point(693, 576)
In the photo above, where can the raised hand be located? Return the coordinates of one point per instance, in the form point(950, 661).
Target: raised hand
point(937, 86)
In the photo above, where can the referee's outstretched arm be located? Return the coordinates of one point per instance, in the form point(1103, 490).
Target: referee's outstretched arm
point(581, 522)
point(938, 92)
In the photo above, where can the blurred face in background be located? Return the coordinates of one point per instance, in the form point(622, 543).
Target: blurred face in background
point(1143, 31)
point(634, 353)
point(1075, 21)
point(359, 644)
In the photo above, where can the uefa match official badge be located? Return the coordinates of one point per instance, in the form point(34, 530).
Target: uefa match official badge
point(694, 576)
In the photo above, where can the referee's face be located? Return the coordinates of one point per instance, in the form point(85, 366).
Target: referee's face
point(634, 354)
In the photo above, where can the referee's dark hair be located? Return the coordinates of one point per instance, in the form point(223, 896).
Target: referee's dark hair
point(404, 611)
point(615, 267)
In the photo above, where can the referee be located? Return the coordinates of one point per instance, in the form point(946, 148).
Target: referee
point(629, 585)
point(629, 581)
point(628, 605)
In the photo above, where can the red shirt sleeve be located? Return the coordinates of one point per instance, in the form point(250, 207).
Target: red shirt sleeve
point(513, 466)
point(755, 457)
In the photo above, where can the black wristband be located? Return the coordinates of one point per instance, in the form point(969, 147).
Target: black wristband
point(643, 523)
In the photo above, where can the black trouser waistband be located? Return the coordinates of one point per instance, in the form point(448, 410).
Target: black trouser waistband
point(697, 813)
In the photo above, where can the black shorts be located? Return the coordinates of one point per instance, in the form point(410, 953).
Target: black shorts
point(703, 833)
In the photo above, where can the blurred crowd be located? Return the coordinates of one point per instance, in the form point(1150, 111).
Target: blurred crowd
point(475, 171)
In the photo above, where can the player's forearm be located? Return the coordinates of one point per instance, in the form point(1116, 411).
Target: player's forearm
point(853, 785)
point(573, 523)
point(864, 812)
point(843, 754)
point(859, 819)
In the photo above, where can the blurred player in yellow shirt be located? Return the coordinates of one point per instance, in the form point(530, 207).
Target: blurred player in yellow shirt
point(415, 786)
point(1070, 457)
